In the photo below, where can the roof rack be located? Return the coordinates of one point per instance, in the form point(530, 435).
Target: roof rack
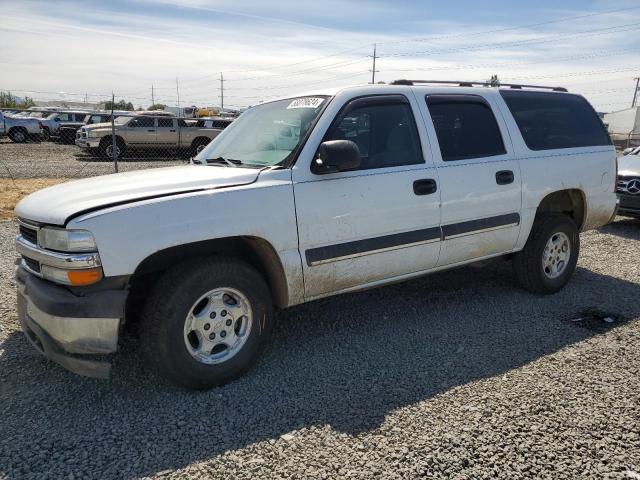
point(464, 83)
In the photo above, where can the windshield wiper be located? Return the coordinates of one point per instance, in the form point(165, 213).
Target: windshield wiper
point(231, 162)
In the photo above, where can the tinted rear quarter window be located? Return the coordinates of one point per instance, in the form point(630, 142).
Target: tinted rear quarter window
point(465, 126)
point(551, 120)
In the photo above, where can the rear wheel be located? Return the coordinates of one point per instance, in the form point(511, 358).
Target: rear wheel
point(549, 258)
point(205, 322)
point(18, 135)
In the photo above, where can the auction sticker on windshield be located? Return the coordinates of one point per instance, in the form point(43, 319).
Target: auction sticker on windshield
point(306, 102)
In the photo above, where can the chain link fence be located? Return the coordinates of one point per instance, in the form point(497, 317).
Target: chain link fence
point(58, 144)
point(625, 139)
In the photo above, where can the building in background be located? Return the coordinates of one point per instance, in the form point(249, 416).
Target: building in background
point(624, 126)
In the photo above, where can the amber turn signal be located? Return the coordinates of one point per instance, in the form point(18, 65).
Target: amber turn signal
point(84, 277)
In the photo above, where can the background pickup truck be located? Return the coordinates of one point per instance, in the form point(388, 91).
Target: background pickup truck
point(19, 129)
point(146, 132)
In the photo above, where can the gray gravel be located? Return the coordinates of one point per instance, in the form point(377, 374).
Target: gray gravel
point(55, 160)
point(459, 375)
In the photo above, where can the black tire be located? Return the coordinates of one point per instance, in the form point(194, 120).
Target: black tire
point(106, 144)
point(163, 320)
point(46, 134)
point(18, 135)
point(528, 264)
point(197, 146)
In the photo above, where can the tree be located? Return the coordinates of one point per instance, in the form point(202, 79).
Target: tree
point(494, 81)
point(120, 105)
point(7, 100)
point(157, 106)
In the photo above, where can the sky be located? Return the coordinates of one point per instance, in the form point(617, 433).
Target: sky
point(69, 50)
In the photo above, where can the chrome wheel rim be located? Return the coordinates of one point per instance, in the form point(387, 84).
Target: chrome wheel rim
point(218, 325)
point(109, 151)
point(199, 148)
point(19, 136)
point(556, 255)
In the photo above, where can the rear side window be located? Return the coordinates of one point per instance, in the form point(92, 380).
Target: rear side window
point(165, 122)
point(465, 126)
point(549, 120)
point(142, 122)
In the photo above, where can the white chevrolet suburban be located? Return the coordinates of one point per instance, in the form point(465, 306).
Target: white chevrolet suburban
point(303, 198)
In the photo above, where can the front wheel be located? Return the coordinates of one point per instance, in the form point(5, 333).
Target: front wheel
point(205, 322)
point(549, 258)
point(107, 150)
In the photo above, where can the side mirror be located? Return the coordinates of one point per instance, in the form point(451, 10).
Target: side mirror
point(336, 156)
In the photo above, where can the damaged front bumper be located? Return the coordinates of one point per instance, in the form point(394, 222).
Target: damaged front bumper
point(64, 326)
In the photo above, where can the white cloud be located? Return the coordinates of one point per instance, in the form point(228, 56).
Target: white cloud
point(97, 50)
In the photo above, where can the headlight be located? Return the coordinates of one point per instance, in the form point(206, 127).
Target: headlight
point(63, 240)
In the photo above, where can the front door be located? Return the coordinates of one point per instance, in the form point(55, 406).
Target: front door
point(378, 221)
point(479, 177)
point(141, 131)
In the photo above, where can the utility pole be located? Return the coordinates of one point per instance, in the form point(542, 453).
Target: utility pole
point(221, 91)
point(115, 153)
point(373, 70)
point(635, 92)
point(178, 94)
point(153, 99)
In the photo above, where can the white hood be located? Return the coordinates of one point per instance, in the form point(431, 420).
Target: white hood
point(54, 205)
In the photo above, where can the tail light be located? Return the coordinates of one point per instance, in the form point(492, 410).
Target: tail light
point(615, 183)
point(40, 125)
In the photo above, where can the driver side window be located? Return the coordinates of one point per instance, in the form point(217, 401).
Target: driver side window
point(385, 133)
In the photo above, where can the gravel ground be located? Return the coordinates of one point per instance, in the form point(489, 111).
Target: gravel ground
point(54, 160)
point(458, 375)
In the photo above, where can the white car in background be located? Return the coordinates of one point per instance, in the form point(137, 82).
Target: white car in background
point(20, 129)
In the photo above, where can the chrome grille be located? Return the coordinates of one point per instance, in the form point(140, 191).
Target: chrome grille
point(628, 185)
point(28, 233)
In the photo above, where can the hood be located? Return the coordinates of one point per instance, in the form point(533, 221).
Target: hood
point(54, 205)
point(629, 165)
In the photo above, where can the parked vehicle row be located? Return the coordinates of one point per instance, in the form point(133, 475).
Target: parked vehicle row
point(304, 198)
point(20, 129)
point(148, 131)
point(131, 131)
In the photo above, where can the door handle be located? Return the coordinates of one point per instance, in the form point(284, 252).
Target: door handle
point(425, 186)
point(504, 177)
point(150, 130)
point(172, 130)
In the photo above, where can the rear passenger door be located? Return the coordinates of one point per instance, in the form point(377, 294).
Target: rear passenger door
point(479, 176)
point(166, 132)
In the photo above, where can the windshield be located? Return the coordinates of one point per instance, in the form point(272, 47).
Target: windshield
point(267, 134)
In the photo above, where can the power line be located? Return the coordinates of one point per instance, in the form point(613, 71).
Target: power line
point(511, 64)
point(474, 47)
point(506, 29)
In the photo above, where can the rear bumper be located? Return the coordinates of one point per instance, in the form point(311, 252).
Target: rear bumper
point(629, 205)
point(63, 326)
